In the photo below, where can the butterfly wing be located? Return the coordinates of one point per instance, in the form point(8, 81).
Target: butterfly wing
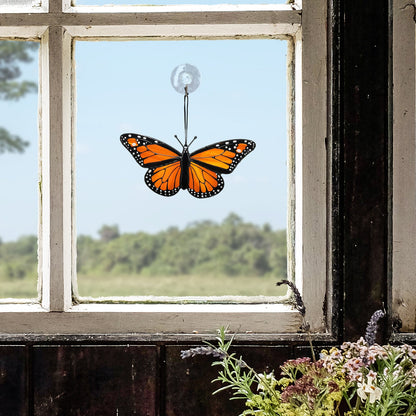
point(148, 151)
point(165, 179)
point(163, 161)
point(207, 164)
point(204, 182)
point(223, 157)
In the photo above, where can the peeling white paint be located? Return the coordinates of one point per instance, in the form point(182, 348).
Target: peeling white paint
point(404, 165)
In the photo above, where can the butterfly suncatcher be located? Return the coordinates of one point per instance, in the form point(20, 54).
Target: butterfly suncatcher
point(199, 172)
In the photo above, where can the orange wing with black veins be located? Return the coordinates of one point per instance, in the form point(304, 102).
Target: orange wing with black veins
point(163, 161)
point(207, 165)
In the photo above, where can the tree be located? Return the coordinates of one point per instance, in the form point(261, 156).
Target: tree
point(108, 233)
point(11, 54)
point(207, 248)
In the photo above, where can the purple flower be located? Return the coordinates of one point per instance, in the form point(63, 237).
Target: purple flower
point(305, 387)
point(372, 326)
point(299, 305)
point(192, 352)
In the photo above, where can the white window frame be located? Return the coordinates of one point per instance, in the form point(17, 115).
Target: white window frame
point(57, 24)
point(403, 297)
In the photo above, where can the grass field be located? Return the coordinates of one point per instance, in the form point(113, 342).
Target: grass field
point(135, 285)
point(186, 285)
point(18, 288)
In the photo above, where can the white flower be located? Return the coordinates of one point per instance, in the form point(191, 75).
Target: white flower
point(409, 350)
point(369, 391)
point(412, 376)
point(264, 381)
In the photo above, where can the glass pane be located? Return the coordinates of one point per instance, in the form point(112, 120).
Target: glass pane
point(133, 241)
point(18, 169)
point(166, 2)
point(34, 3)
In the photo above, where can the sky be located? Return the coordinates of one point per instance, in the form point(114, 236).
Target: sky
point(124, 87)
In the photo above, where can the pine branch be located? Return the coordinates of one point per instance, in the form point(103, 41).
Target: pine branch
point(11, 143)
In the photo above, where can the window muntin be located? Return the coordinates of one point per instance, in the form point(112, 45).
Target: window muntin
point(18, 169)
point(308, 120)
point(242, 95)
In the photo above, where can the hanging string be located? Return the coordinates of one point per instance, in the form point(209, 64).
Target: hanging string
point(186, 113)
point(185, 119)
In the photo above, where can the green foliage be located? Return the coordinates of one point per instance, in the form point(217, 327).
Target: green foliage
point(382, 376)
point(238, 376)
point(18, 259)
point(233, 248)
point(184, 285)
point(11, 143)
point(12, 53)
point(206, 258)
point(356, 380)
point(108, 233)
point(306, 388)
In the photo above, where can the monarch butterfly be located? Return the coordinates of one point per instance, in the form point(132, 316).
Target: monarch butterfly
point(198, 172)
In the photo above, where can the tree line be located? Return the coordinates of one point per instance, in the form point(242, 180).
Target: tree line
point(232, 248)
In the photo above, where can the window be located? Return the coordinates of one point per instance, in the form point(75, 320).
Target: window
point(60, 27)
point(404, 165)
point(18, 168)
point(232, 244)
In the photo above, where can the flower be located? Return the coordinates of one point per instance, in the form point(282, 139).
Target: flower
point(360, 378)
point(208, 350)
point(371, 330)
point(298, 301)
point(409, 350)
point(412, 377)
point(264, 380)
point(369, 390)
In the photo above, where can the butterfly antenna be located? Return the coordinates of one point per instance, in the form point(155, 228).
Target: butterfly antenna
point(176, 137)
point(192, 141)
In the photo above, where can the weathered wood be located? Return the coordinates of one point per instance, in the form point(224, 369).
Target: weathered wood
point(13, 376)
point(365, 160)
point(310, 163)
point(94, 380)
point(151, 319)
point(404, 164)
point(188, 389)
point(56, 185)
point(173, 15)
point(247, 338)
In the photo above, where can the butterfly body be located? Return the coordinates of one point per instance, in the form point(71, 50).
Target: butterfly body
point(199, 172)
point(185, 164)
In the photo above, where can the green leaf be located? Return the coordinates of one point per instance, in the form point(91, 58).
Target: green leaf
point(11, 143)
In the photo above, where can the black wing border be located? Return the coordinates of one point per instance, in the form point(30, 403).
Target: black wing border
point(225, 144)
point(145, 140)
